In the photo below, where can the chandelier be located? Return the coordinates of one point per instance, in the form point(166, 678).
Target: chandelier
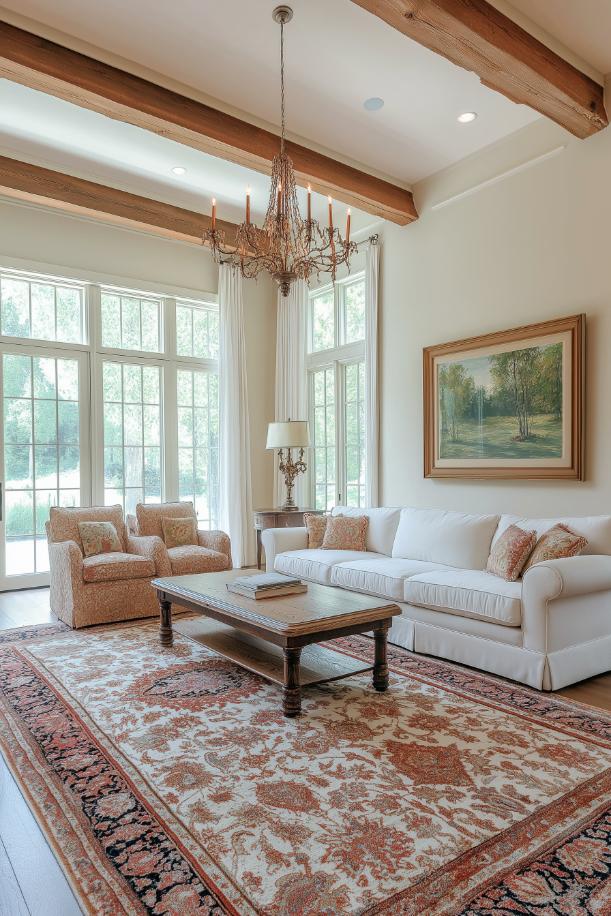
point(286, 246)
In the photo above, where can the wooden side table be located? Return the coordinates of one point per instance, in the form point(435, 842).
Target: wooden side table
point(278, 518)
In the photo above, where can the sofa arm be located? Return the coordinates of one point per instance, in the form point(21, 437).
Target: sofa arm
point(277, 540)
point(553, 579)
point(66, 579)
point(131, 523)
point(153, 548)
point(215, 540)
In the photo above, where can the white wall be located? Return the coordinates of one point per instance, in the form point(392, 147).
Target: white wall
point(84, 247)
point(534, 246)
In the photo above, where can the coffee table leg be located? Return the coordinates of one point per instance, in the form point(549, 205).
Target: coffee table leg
point(380, 666)
point(165, 622)
point(291, 691)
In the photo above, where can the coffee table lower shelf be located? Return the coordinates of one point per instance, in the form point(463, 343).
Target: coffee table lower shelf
point(318, 664)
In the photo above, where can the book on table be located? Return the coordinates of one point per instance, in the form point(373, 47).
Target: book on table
point(267, 585)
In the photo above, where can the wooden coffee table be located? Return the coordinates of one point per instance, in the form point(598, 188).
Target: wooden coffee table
point(276, 637)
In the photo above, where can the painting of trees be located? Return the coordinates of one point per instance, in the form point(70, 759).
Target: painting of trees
point(502, 405)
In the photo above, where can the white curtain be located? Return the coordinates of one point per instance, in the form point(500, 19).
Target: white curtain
point(235, 507)
point(291, 379)
point(371, 370)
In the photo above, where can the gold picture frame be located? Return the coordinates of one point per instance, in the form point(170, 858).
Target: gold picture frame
point(507, 405)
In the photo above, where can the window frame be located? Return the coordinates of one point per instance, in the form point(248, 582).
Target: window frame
point(336, 358)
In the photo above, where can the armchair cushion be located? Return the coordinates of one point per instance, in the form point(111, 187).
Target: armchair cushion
point(179, 532)
point(99, 537)
point(192, 559)
point(150, 515)
point(109, 567)
point(64, 522)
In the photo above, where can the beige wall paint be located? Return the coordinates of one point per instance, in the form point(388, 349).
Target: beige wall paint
point(531, 247)
point(35, 235)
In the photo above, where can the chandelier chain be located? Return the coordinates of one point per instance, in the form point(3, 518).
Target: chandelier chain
point(282, 118)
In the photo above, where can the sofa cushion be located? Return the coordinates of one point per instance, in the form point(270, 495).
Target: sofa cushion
point(345, 533)
point(383, 577)
point(449, 538)
point(316, 565)
point(468, 592)
point(595, 528)
point(110, 567)
point(382, 526)
point(192, 559)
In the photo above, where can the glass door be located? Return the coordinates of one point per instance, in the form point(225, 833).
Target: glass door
point(44, 456)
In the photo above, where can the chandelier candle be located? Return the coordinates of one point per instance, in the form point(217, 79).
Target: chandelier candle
point(287, 246)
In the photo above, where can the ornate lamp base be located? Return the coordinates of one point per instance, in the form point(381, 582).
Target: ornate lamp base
point(290, 469)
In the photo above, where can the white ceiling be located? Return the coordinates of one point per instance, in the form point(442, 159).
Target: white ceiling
point(58, 135)
point(338, 55)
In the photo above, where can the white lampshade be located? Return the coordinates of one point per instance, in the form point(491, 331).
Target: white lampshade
point(289, 434)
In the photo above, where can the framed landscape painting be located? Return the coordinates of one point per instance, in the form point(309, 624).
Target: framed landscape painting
point(507, 405)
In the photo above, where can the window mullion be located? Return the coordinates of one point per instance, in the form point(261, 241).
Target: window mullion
point(340, 433)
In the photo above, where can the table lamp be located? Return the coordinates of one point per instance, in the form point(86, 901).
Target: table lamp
point(287, 435)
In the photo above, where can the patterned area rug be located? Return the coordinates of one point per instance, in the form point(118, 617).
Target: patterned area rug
point(168, 782)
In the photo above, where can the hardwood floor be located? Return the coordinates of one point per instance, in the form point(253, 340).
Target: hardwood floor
point(31, 881)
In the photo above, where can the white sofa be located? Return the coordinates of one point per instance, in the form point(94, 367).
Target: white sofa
point(549, 629)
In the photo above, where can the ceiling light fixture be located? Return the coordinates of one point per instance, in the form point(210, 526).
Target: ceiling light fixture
point(179, 170)
point(287, 246)
point(466, 117)
point(373, 104)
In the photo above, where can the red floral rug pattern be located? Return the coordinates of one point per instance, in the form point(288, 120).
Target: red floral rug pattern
point(169, 782)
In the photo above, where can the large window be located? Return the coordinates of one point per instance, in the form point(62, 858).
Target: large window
point(108, 395)
point(336, 366)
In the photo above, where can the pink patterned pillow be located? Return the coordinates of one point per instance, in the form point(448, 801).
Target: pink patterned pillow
point(557, 544)
point(345, 532)
point(99, 537)
point(316, 525)
point(179, 532)
point(510, 553)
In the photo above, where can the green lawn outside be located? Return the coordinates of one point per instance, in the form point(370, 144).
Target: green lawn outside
point(494, 439)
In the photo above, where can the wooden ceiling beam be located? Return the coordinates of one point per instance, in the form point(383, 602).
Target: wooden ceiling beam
point(35, 184)
point(474, 35)
point(44, 65)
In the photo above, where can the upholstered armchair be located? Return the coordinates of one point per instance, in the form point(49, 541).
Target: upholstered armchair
point(212, 553)
point(107, 587)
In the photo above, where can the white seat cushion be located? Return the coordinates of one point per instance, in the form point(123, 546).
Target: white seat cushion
point(469, 593)
point(383, 577)
point(596, 528)
point(382, 526)
point(316, 565)
point(449, 538)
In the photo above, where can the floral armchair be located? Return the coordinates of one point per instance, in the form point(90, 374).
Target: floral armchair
point(212, 553)
point(105, 588)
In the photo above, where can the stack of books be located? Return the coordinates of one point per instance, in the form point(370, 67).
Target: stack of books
point(266, 585)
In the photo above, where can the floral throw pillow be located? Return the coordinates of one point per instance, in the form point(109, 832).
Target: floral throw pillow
point(316, 525)
point(345, 532)
point(510, 553)
point(99, 537)
point(179, 532)
point(557, 544)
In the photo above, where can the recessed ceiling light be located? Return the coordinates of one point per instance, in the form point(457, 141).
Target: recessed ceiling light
point(179, 170)
point(373, 104)
point(467, 116)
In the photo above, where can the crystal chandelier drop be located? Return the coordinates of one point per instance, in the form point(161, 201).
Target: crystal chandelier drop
point(286, 246)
